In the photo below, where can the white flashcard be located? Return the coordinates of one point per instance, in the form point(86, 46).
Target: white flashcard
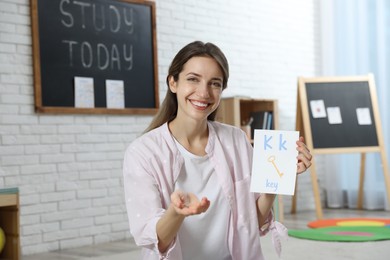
point(83, 92)
point(363, 116)
point(115, 94)
point(334, 115)
point(274, 168)
point(317, 108)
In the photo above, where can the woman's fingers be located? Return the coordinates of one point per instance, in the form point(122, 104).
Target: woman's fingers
point(204, 204)
point(304, 156)
point(188, 204)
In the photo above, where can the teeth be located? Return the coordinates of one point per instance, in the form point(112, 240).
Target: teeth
point(196, 103)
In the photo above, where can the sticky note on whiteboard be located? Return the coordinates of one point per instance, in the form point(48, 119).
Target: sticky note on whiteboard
point(274, 167)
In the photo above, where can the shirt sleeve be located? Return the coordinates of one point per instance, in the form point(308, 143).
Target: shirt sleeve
point(143, 201)
point(267, 224)
point(278, 231)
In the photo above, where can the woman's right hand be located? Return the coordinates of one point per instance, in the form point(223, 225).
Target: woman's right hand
point(188, 203)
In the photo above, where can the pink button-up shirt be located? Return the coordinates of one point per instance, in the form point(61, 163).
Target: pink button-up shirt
point(152, 164)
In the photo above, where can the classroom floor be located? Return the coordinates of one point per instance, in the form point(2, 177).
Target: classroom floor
point(293, 248)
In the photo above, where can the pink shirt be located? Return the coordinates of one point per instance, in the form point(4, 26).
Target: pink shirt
point(152, 164)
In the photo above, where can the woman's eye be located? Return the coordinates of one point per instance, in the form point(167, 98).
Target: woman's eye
point(193, 79)
point(216, 84)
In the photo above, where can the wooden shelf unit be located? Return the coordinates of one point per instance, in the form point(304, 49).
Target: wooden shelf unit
point(236, 110)
point(9, 222)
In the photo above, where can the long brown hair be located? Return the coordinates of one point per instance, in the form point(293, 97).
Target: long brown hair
point(168, 109)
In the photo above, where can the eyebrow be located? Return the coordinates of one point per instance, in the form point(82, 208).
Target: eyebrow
point(198, 75)
point(193, 73)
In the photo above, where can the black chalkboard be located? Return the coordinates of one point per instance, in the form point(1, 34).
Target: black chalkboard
point(347, 96)
point(340, 115)
point(100, 39)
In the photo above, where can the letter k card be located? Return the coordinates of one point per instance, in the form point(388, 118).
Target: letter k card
point(274, 165)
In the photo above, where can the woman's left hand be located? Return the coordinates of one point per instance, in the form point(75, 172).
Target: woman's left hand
point(304, 156)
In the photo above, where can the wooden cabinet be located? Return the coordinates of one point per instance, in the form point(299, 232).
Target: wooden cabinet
point(9, 222)
point(237, 111)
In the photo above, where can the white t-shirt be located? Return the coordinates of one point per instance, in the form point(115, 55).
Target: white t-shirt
point(203, 236)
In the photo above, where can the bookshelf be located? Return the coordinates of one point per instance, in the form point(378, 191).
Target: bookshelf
point(238, 110)
point(9, 222)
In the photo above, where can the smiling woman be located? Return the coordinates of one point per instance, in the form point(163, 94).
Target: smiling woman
point(198, 91)
point(168, 110)
point(189, 174)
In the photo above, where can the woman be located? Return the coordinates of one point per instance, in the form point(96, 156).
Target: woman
point(187, 178)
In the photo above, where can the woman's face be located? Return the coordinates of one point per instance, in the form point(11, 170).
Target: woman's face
point(198, 88)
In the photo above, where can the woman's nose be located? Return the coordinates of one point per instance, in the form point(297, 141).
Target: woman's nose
point(203, 90)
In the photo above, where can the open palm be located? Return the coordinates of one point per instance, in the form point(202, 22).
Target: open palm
point(188, 203)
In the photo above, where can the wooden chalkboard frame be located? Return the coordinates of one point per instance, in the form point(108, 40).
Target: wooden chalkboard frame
point(41, 108)
point(303, 124)
point(307, 120)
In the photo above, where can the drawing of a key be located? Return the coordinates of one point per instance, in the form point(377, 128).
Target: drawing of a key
point(271, 159)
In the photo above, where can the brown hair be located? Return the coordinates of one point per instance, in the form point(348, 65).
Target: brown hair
point(168, 109)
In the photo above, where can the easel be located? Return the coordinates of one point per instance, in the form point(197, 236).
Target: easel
point(303, 124)
point(278, 208)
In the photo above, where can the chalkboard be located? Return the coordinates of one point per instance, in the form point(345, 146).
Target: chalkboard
point(340, 115)
point(349, 97)
point(99, 39)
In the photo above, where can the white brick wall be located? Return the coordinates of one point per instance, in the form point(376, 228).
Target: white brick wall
point(68, 167)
